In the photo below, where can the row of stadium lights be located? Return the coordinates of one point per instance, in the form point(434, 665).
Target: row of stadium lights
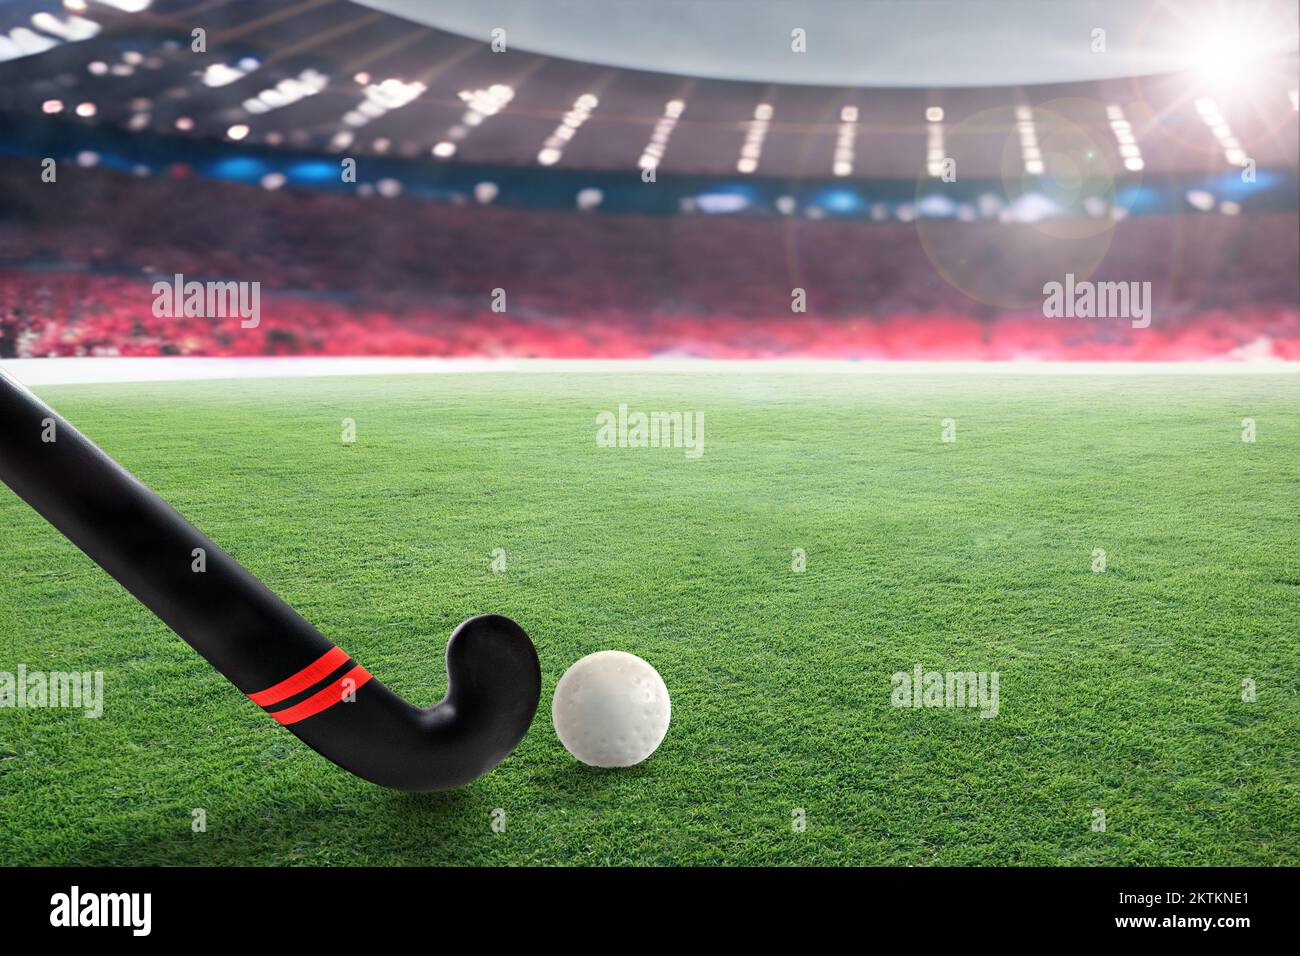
point(570, 123)
point(1213, 118)
point(53, 29)
point(1029, 151)
point(842, 163)
point(934, 152)
point(663, 131)
point(49, 30)
point(756, 131)
point(288, 91)
point(480, 104)
point(21, 41)
point(1031, 154)
point(382, 98)
point(125, 6)
point(393, 93)
point(846, 134)
point(1123, 130)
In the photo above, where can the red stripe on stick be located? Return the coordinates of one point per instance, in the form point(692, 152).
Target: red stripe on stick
point(332, 660)
point(324, 698)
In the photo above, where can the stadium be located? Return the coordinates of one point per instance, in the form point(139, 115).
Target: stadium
point(992, 310)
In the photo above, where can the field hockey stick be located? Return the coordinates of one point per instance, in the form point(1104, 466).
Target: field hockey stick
point(256, 640)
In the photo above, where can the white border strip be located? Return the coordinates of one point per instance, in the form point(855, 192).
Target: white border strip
point(77, 371)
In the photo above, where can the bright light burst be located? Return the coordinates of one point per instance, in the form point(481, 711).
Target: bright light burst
point(1234, 49)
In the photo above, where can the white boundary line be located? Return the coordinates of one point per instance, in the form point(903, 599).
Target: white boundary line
point(76, 371)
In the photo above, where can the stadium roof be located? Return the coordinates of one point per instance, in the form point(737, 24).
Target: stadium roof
point(336, 76)
point(874, 43)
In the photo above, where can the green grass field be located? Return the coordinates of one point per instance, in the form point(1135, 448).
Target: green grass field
point(1120, 691)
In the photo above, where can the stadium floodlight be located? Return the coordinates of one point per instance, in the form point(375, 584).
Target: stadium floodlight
point(570, 123)
point(71, 29)
point(1234, 55)
point(127, 6)
point(654, 151)
point(257, 641)
point(480, 104)
point(1030, 153)
point(1213, 118)
point(842, 164)
point(935, 153)
point(1223, 55)
point(223, 74)
point(1126, 142)
point(20, 42)
point(756, 131)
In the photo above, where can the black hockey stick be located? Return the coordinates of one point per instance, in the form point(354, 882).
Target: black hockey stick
point(260, 643)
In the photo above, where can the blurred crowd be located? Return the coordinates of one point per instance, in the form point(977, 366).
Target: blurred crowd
point(344, 275)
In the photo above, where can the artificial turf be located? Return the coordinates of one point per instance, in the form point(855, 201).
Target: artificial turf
point(1120, 691)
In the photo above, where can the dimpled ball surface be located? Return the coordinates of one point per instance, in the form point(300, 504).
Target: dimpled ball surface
point(611, 709)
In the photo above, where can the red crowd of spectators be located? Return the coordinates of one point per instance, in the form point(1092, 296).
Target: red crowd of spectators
point(342, 275)
point(47, 313)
